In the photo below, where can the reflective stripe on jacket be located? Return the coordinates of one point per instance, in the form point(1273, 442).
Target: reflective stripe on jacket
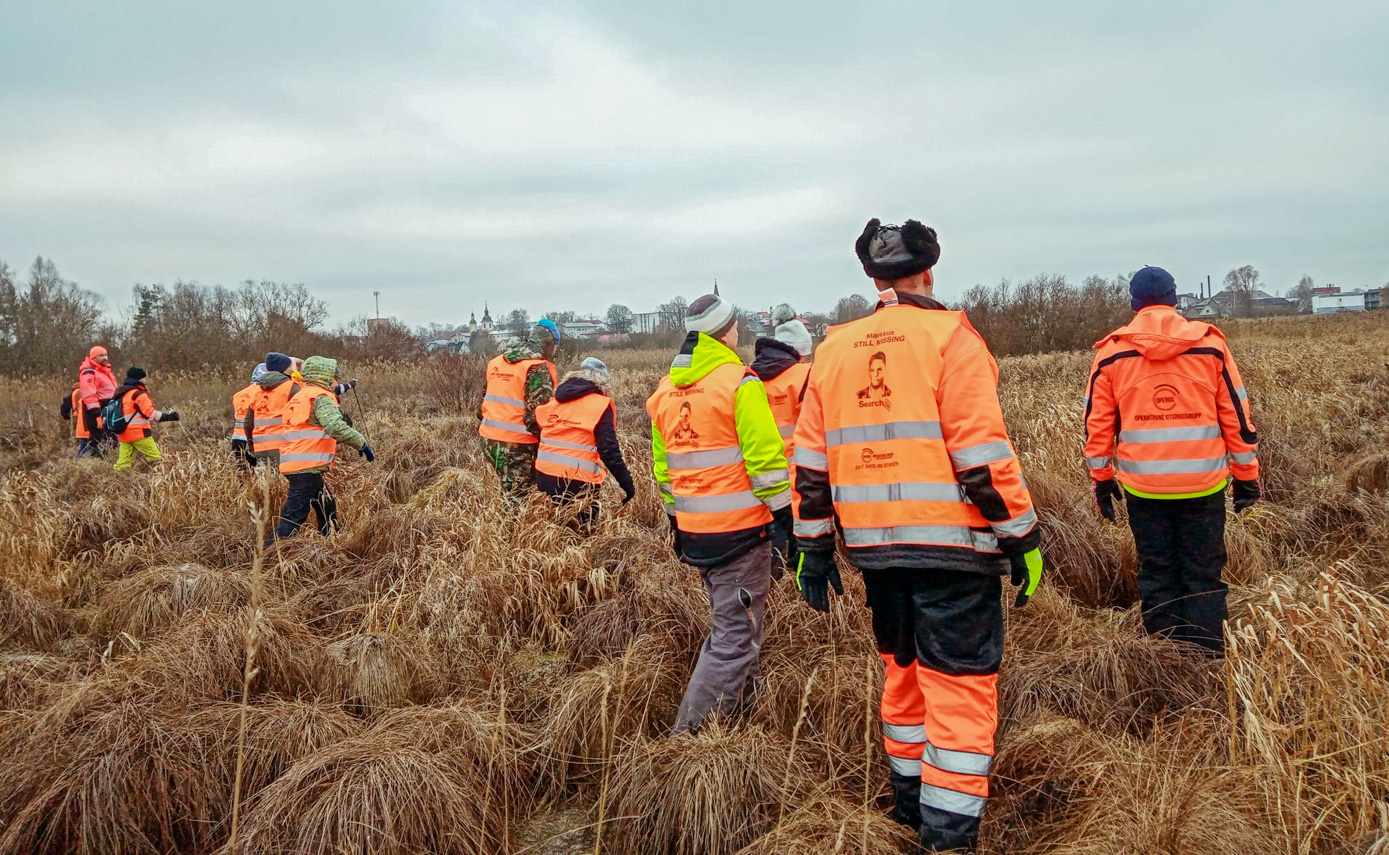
point(97, 382)
point(305, 446)
point(504, 403)
point(242, 401)
point(139, 412)
point(901, 442)
point(568, 448)
point(1167, 393)
point(784, 397)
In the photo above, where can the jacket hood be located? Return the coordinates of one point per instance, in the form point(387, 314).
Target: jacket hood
point(270, 379)
point(92, 363)
point(772, 357)
point(1160, 333)
point(524, 349)
point(575, 386)
point(320, 371)
point(700, 354)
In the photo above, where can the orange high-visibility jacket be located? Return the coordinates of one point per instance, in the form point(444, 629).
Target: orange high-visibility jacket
point(242, 401)
point(79, 424)
point(305, 446)
point(140, 414)
point(709, 478)
point(901, 441)
point(504, 403)
point(568, 448)
point(784, 397)
point(1171, 390)
point(270, 421)
point(97, 382)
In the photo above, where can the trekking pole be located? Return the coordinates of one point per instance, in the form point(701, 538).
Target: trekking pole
point(361, 411)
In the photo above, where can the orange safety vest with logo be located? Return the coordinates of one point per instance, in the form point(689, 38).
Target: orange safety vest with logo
point(568, 448)
point(139, 410)
point(242, 401)
point(901, 440)
point(784, 397)
point(79, 424)
point(305, 446)
point(1167, 393)
point(504, 404)
point(708, 477)
point(271, 417)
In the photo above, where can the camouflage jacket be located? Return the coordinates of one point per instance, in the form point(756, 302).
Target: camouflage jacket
point(540, 387)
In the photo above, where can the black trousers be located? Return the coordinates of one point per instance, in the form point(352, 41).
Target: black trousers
point(307, 492)
point(1181, 553)
point(564, 492)
point(950, 622)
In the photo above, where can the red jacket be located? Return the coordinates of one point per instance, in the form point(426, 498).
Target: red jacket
point(1166, 401)
point(97, 383)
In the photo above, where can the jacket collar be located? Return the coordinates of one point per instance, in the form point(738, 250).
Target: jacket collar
point(892, 298)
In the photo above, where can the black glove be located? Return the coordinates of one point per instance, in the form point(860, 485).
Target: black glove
point(1247, 494)
point(815, 573)
point(365, 451)
point(1027, 572)
point(779, 533)
point(674, 534)
point(90, 420)
point(169, 416)
point(1106, 494)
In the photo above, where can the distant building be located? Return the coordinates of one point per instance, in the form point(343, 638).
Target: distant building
point(1343, 301)
point(1372, 299)
point(646, 322)
point(582, 328)
point(1222, 305)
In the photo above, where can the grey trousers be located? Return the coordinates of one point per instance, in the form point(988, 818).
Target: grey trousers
point(728, 661)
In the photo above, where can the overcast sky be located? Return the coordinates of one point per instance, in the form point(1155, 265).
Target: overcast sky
point(572, 155)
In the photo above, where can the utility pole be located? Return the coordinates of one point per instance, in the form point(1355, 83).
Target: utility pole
point(377, 295)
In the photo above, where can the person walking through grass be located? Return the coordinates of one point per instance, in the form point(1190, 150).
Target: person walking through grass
point(916, 470)
point(724, 481)
point(518, 381)
point(578, 438)
point(97, 383)
point(315, 426)
point(1167, 426)
point(136, 416)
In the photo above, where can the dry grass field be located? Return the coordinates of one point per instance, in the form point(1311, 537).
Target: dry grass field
point(450, 674)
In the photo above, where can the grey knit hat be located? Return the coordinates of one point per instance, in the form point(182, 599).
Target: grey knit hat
point(794, 333)
point(710, 314)
point(597, 366)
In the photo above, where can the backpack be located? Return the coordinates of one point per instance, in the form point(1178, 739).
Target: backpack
point(113, 416)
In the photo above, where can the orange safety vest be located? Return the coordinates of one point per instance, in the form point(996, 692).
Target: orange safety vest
point(784, 397)
point(79, 424)
point(1170, 390)
point(306, 446)
point(137, 407)
point(708, 477)
point(882, 441)
point(504, 404)
point(567, 446)
point(271, 421)
point(241, 402)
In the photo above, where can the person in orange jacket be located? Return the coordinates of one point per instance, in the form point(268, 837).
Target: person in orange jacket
point(243, 403)
point(1165, 401)
point(71, 410)
point(578, 439)
point(783, 363)
point(138, 414)
point(921, 479)
point(98, 384)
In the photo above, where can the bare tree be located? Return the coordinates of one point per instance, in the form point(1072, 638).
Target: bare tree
point(1241, 284)
point(518, 321)
point(47, 324)
point(673, 313)
point(851, 308)
point(563, 318)
point(619, 318)
point(1302, 294)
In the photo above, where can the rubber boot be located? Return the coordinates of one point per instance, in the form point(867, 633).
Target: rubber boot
point(907, 809)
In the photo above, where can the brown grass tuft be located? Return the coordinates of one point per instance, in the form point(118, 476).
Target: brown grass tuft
point(371, 794)
point(28, 620)
point(1369, 474)
point(826, 824)
point(371, 673)
point(709, 794)
point(146, 603)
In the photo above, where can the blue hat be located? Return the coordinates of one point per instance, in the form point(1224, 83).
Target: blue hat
point(1152, 286)
point(549, 326)
point(277, 362)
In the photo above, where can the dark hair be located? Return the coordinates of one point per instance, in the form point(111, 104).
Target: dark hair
point(685, 405)
point(878, 355)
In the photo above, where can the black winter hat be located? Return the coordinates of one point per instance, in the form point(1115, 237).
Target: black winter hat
point(896, 252)
point(135, 372)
